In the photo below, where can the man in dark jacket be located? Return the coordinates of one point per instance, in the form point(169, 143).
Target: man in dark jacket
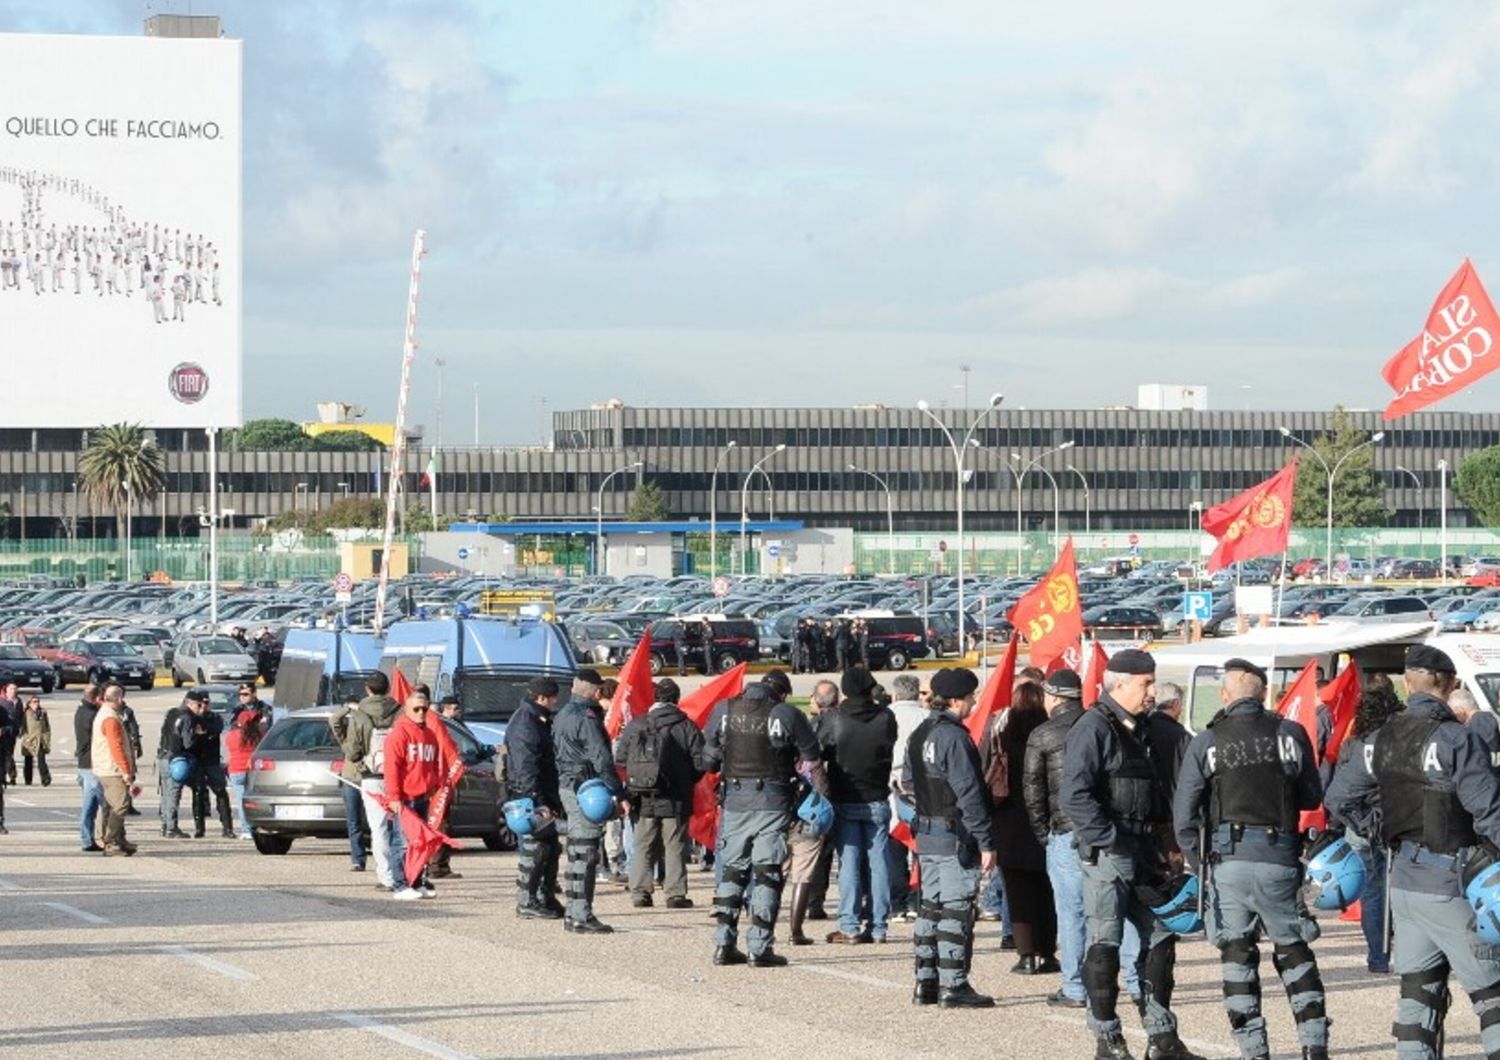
point(359, 731)
point(531, 773)
point(93, 796)
point(858, 741)
point(658, 751)
point(168, 747)
point(199, 731)
point(10, 731)
point(583, 753)
point(11, 707)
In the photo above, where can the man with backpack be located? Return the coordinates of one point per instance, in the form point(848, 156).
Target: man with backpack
point(658, 750)
point(361, 735)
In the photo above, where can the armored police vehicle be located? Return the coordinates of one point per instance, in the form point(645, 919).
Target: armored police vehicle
point(322, 667)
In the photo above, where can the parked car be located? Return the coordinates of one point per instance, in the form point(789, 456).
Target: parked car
point(1368, 609)
point(599, 642)
point(1466, 616)
point(206, 658)
point(20, 664)
point(102, 660)
point(893, 639)
point(732, 639)
point(43, 642)
point(293, 791)
point(1410, 569)
point(1118, 621)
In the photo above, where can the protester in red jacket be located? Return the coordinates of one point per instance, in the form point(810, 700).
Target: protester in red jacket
point(415, 768)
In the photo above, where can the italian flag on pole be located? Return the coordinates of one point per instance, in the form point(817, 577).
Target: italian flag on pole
point(429, 476)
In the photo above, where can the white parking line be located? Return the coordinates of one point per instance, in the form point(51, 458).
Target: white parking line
point(227, 970)
point(74, 911)
point(853, 977)
point(9, 885)
point(22, 802)
point(62, 813)
point(400, 1037)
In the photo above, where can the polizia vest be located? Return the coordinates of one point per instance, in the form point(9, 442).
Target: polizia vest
point(748, 751)
point(1413, 809)
point(934, 796)
point(1250, 784)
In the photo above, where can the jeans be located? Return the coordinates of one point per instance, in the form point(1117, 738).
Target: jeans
point(862, 831)
point(398, 847)
point(1372, 907)
point(385, 833)
point(93, 800)
point(354, 818)
point(237, 785)
point(1066, 873)
point(992, 900)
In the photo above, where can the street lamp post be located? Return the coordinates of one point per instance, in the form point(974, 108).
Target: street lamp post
point(890, 518)
point(601, 557)
point(1195, 510)
point(960, 454)
point(713, 513)
point(1331, 472)
point(1417, 483)
point(1034, 462)
point(1443, 518)
point(745, 503)
point(129, 497)
point(1087, 502)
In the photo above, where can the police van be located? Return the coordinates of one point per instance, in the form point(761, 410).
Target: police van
point(485, 662)
point(321, 667)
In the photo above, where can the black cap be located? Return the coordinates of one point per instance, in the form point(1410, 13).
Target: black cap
point(541, 686)
point(1064, 684)
point(197, 695)
point(856, 681)
point(954, 684)
point(666, 690)
point(1426, 657)
point(1131, 661)
point(1245, 666)
point(778, 682)
point(448, 701)
point(589, 677)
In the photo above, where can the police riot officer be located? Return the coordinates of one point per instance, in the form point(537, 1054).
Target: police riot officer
point(759, 744)
point(1246, 779)
point(1111, 794)
point(1438, 798)
point(531, 773)
point(583, 753)
point(954, 847)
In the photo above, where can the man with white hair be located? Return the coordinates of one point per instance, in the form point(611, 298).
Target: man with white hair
point(1466, 708)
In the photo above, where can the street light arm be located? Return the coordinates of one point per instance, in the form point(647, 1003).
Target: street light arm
point(1285, 433)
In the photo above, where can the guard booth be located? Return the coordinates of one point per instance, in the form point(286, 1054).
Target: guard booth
point(362, 559)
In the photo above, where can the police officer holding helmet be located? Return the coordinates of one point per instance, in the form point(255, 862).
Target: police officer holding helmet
point(1425, 784)
point(582, 752)
point(1246, 779)
point(954, 848)
point(759, 744)
point(1111, 793)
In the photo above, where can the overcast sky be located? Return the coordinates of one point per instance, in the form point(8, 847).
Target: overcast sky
point(784, 202)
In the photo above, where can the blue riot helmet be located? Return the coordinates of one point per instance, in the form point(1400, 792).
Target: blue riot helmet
point(1481, 880)
point(180, 769)
point(1335, 875)
point(1175, 903)
point(596, 800)
point(817, 812)
point(520, 816)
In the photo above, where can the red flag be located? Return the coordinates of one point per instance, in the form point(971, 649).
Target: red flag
point(996, 695)
point(1341, 697)
point(1300, 704)
point(400, 686)
point(901, 833)
point(1049, 615)
point(1255, 523)
point(1093, 681)
point(422, 841)
point(703, 825)
point(1451, 353)
point(636, 692)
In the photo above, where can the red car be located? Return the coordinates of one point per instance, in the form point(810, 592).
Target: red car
point(43, 642)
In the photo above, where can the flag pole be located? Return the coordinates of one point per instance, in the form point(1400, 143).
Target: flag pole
point(1276, 630)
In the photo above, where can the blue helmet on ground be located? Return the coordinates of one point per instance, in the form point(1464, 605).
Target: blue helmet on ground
point(817, 812)
point(180, 769)
point(520, 816)
point(596, 800)
point(1175, 903)
point(1335, 875)
point(1481, 880)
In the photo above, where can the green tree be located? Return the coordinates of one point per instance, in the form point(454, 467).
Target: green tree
point(270, 435)
point(649, 504)
point(346, 442)
point(119, 463)
point(1357, 496)
point(419, 519)
point(1478, 484)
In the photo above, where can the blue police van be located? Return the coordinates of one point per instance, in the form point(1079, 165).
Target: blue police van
point(322, 667)
point(485, 662)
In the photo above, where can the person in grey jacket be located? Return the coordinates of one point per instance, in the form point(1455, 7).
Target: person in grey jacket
point(355, 731)
point(583, 753)
point(664, 805)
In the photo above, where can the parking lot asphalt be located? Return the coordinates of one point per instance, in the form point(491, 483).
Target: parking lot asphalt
point(204, 947)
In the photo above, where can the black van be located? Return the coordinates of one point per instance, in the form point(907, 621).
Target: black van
point(713, 643)
point(893, 638)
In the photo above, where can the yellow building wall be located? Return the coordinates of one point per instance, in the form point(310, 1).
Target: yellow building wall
point(361, 559)
point(384, 433)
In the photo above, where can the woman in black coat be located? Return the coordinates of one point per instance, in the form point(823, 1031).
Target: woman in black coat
point(1023, 861)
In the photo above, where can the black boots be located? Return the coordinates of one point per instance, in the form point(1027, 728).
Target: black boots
point(727, 955)
point(801, 892)
point(1112, 1047)
point(1169, 1047)
point(964, 996)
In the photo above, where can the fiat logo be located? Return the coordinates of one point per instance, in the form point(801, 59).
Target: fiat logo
point(188, 382)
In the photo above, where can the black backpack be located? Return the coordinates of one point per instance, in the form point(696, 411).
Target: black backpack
point(643, 758)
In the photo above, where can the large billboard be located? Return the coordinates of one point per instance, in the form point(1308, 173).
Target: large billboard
point(120, 275)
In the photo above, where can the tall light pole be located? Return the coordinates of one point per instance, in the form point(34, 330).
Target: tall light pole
point(1417, 483)
point(960, 456)
point(601, 558)
point(745, 503)
point(438, 427)
point(1331, 472)
point(890, 518)
point(1087, 502)
point(1034, 462)
point(713, 513)
point(1443, 518)
point(129, 497)
point(1195, 510)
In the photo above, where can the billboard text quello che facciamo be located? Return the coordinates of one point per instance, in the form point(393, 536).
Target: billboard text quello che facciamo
point(120, 270)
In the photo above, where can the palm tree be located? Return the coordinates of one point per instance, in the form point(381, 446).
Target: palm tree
point(120, 465)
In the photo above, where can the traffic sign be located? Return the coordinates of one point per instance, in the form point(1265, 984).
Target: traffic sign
point(1197, 607)
point(721, 586)
point(343, 583)
point(463, 553)
point(773, 549)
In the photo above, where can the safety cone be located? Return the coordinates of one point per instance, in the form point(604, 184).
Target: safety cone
point(1352, 913)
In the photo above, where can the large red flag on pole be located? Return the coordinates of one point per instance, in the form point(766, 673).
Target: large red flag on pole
point(996, 694)
point(636, 691)
point(400, 686)
point(1300, 704)
point(1093, 681)
point(1049, 615)
point(703, 825)
point(1452, 353)
point(1255, 523)
point(1341, 697)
